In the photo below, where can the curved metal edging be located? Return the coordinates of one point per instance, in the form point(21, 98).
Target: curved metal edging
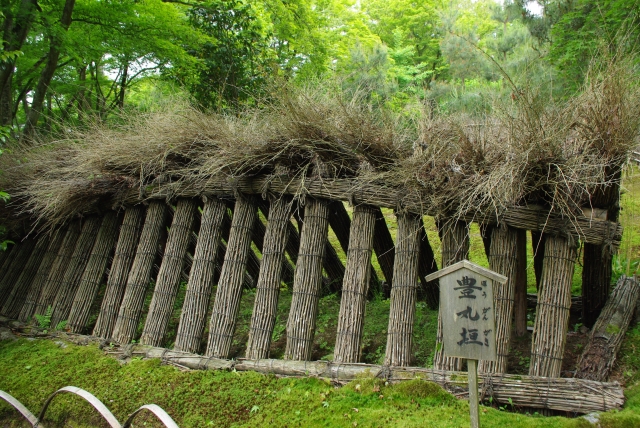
point(97, 404)
point(19, 407)
point(156, 410)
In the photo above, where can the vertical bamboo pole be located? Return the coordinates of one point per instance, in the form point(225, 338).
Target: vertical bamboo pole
point(138, 280)
point(308, 281)
point(521, 285)
point(23, 252)
point(56, 275)
point(266, 303)
point(94, 272)
point(4, 255)
point(168, 281)
point(455, 247)
point(252, 267)
point(403, 291)
point(384, 247)
point(552, 312)
point(340, 223)
point(14, 302)
point(427, 265)
point(122, 260)
point(227, 299)
point(40, 279)
point(9, 256)
point(330, 261)
point(258, 237)
point(502, 259)
point(356, 283)
point(62, 303)
point(200, 284)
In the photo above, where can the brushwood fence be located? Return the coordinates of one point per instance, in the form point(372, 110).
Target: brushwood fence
point(66, 267)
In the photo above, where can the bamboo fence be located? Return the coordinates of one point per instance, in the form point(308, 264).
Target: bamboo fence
point(599, 356)
point(22, 254)
point(308, 280)
point(340, 223)
point(227, 299)
point(54, 279)
point(503, 259)
point(355, 285)
point(403, 291)
point(455, 247)
point(33, 294)
point(94, 273)
point(122, 260)
point(200, 283)
point(138, 280)
point(552, 314)
point(169, 275)
point(13, 304)
point(265, 307)
point(71, 280)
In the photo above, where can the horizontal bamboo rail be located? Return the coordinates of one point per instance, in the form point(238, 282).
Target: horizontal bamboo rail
point(583, 227)
point(563, 394)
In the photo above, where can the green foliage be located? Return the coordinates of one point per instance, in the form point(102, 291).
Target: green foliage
point(44, 321)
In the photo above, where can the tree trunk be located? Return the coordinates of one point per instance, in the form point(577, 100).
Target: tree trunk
point(15, 33)
point(599, 356)
point(429, 291)
point(455, 247)
point(503, 259)
point(265, 306)
point(94, 272)
point(54, 279)
point(140, 275)
point(403, 291)
point(40, 279)
point(13, 304)
point(521, 285)
point(22, 254)
point(168, 281)
point(122, 260)
point(56, 40)
point(538, 243)
point(200, 284)
point(384, 247)
point(552, 313)
point(71, 280)
point(229, 292)
point(308, 280)
point(355, 285)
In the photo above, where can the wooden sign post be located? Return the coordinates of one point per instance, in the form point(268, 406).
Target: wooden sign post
point(468, 319)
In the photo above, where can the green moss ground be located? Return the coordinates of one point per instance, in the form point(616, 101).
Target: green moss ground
point(31, 370)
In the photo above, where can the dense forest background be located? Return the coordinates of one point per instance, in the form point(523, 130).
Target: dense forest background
point(74, 62)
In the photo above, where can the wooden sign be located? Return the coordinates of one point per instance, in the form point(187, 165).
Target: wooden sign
point(468, 319)
point(466, 303)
